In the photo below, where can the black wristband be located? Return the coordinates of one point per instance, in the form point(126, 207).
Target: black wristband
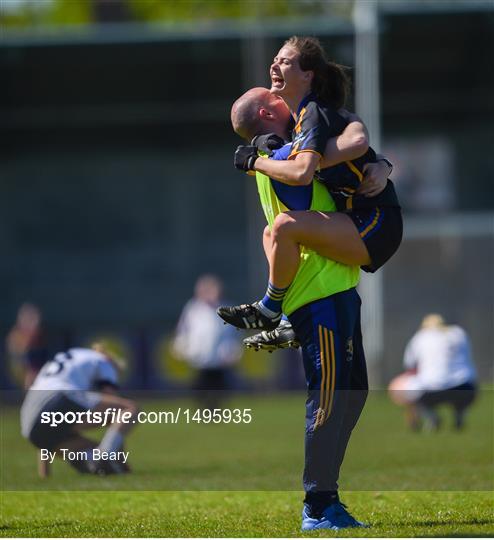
point(251, 161)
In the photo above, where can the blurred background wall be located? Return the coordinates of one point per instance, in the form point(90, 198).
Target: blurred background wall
point(117, 188)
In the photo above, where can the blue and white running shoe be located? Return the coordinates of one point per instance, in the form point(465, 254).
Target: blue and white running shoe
point(334, 517)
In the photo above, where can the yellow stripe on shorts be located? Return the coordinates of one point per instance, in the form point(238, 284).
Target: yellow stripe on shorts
point(372, 225)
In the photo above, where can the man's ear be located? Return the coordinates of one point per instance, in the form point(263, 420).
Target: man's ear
point(265, 114)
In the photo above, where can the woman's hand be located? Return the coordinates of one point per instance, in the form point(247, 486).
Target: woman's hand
point(375, 178)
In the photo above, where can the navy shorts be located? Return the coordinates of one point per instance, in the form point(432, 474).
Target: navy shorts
point(381, 229)
point(460, 397)
point(44, 435)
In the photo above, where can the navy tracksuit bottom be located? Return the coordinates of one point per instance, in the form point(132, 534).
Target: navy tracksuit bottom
point(330, 335)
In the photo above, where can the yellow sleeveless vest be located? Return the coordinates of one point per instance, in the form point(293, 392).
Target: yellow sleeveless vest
point(317, 277)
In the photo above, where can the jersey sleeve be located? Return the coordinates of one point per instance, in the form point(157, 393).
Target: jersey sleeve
point(282, 153)
point(106, 374)
point(183, 331)
point(410, 358)
point(311, 132)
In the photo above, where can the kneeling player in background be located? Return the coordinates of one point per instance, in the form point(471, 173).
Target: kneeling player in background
point(440, 370)
point(77, 381)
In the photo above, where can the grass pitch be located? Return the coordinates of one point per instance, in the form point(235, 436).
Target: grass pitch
point(234, 514)
point(220, 480)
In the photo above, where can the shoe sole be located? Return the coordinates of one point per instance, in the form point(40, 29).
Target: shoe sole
point(271, 348)
point(322, 528)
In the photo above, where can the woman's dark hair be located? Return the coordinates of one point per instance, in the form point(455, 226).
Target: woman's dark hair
point(331, 83)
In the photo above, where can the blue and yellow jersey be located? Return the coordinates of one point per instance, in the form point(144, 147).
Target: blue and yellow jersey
point(316, 124)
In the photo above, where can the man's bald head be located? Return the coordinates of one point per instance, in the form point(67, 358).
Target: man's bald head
point(246, 112)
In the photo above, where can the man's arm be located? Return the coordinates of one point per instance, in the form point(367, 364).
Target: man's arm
point(300, 169)
point(410, 357)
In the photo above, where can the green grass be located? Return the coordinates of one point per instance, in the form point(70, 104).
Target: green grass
point(233, 514)
point(244, 480)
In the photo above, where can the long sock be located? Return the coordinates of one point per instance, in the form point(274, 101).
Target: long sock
point(112, 440)
point(270, 305)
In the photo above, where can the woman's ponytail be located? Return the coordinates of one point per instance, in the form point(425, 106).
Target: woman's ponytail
point(337, 85)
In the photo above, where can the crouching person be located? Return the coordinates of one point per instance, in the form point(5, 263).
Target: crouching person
point(440, 370)
point(74, 392)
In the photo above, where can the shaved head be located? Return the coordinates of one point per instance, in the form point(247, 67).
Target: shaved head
point(245, 115)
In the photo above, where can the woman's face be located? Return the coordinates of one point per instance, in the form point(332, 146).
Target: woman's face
point(287, 79)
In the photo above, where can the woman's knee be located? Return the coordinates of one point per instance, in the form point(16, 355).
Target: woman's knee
point(284, 225)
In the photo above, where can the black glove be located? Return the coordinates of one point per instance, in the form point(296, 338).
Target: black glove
point(268, 143)
point(245, 157)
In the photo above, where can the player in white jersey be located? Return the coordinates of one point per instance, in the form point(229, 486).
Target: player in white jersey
point(208, 346)
point(77, 381)
point(440, 369)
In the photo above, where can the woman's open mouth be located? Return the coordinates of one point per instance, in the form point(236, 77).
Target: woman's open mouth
point(277, 81)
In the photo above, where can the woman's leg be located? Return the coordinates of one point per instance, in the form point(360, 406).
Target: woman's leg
point(332, 235)
point(267, 242)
